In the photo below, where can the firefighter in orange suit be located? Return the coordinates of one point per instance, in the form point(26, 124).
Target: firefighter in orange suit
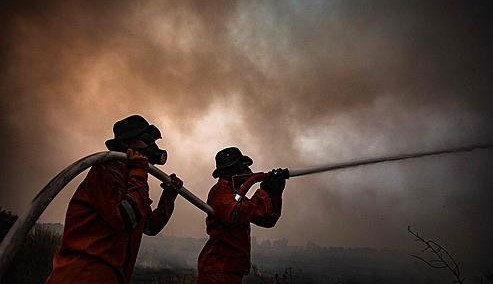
point(225, 257)
point(111, 209)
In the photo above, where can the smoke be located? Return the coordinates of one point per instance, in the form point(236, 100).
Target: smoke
point(292, 83)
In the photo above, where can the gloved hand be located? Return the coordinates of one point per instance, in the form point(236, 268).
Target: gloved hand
point(171, 188)
point(275, 183)
point(137, 160)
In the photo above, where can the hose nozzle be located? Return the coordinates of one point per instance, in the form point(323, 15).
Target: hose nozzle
point(283, 173)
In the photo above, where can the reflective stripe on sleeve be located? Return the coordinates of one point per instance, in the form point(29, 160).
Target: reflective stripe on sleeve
point(128, 212)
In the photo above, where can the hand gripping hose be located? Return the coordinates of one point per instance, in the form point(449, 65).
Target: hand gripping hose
point(258, 177)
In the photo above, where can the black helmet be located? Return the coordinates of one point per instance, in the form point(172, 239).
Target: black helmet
point(229, 157)
point(131, 127)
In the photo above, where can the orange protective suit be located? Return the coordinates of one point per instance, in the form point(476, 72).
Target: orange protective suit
point(104, 224)
point(225, 257)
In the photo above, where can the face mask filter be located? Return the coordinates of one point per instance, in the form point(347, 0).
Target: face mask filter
point(155, 155)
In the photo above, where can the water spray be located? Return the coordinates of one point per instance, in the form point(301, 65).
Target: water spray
point(287, 173)
point(358, 163)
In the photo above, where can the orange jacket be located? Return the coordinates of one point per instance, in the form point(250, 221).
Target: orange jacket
point(104, 224)
point(228, 248)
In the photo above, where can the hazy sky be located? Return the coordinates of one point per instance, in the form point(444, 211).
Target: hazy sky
point(292, 83)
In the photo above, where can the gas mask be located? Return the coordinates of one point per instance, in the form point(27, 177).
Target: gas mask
point(155, 155)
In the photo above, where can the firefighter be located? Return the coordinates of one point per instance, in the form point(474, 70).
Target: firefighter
point(111, 209)
point(225, 257)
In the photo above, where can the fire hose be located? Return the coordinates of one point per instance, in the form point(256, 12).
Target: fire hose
point(16, 235)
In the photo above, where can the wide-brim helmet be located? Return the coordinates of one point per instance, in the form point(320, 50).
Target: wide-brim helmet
point(229, 157)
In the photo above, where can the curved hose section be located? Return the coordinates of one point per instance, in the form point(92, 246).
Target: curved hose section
point(16, 235)
point(253, 179)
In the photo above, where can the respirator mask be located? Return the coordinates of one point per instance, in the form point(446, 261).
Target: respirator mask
point(155, 155)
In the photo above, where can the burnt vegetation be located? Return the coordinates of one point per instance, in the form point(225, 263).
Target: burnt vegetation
point(33, 262)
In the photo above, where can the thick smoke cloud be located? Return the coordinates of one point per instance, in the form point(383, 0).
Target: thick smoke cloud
point(292, 84)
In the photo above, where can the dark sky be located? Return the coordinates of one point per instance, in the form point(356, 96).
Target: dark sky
point(292, 83)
